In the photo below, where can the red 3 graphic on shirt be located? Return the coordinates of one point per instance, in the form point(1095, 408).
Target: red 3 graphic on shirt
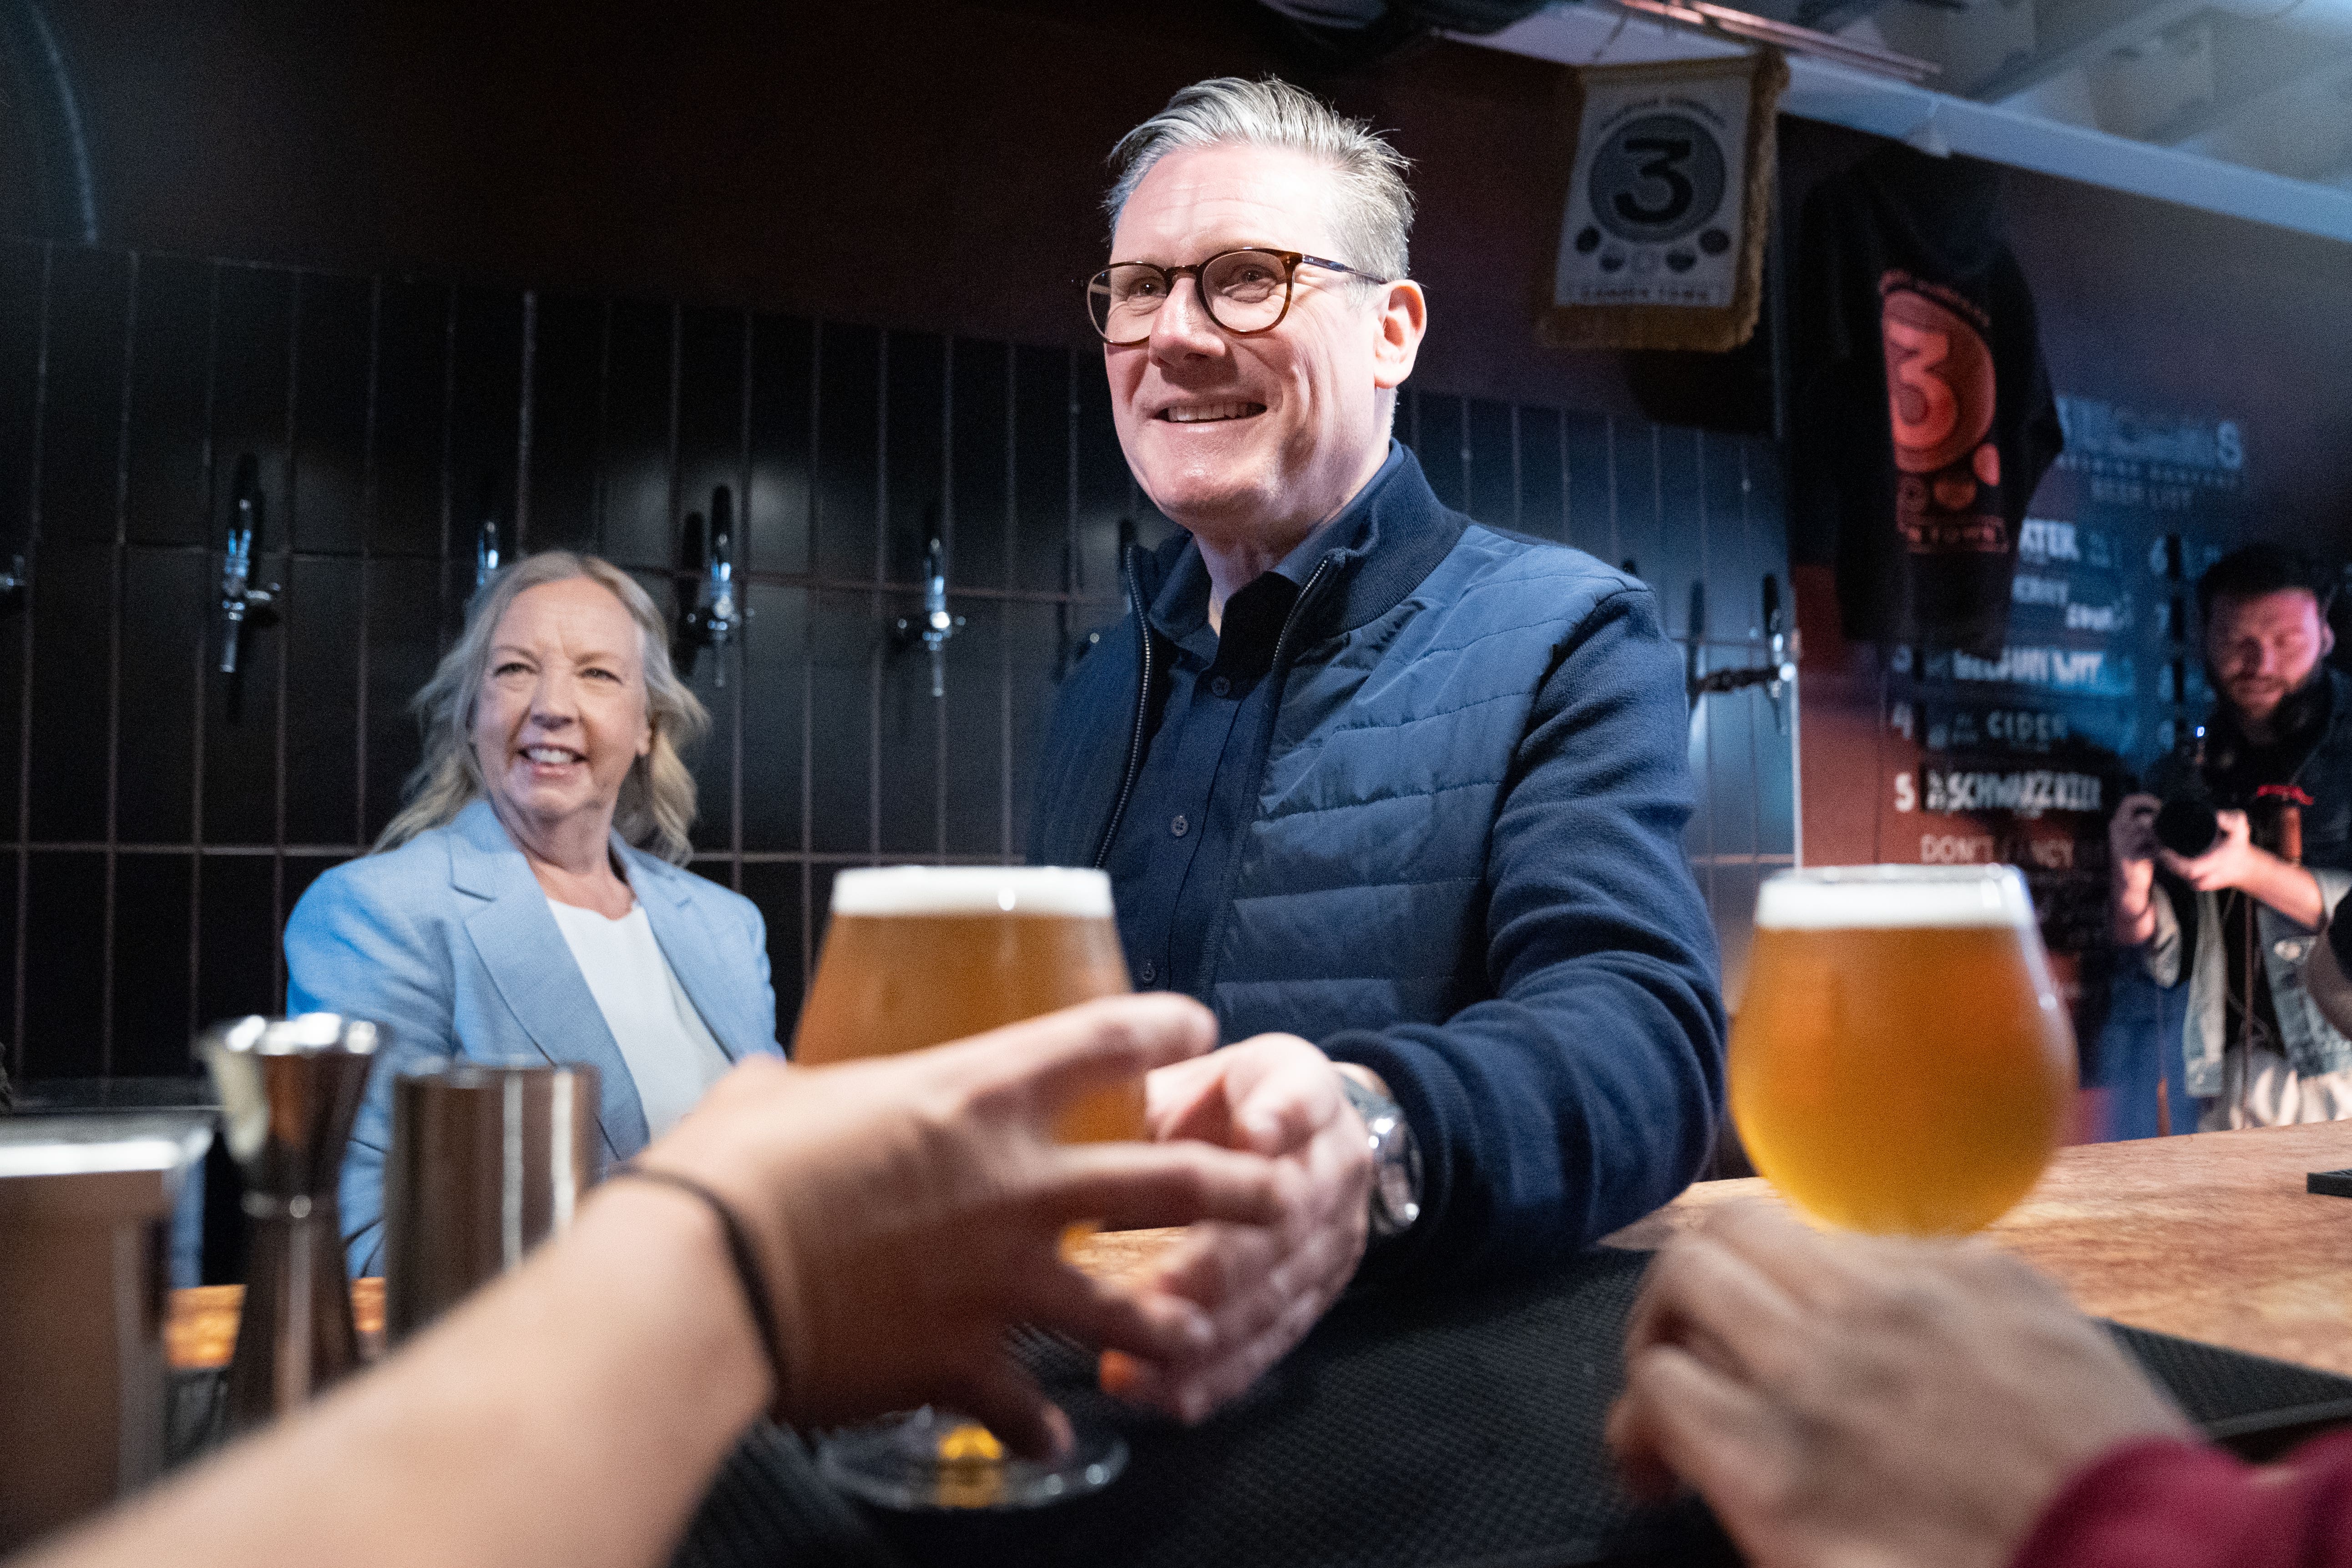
point(1939, 405)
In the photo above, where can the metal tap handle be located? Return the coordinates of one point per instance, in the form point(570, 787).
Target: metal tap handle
point(1784, 669)
point(711, 616)
point(236, 564)
point(486, 551)
point(936, 623)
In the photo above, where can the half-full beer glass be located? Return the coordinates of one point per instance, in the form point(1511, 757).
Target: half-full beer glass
point(1901, 1062)
point(916, 956)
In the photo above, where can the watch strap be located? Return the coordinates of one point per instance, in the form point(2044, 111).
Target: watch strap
point(1395, 1200)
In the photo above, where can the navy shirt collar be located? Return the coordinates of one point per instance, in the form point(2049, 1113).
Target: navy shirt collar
point(1180, 611)
point(1346, 529)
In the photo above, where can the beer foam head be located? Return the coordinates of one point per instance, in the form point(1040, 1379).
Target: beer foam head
point(1848, 898)
point(1061, 890)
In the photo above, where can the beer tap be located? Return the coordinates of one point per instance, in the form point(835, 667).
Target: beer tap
point(1781, 651)
point(936, 624)
point(714, 619)
point(239, 599)
point(487, 555)
point(1777, 677)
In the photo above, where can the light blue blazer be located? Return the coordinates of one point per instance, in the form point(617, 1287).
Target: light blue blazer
point(450, 942)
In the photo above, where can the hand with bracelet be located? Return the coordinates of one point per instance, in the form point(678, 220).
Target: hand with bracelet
point(914, 1207)
point(897, 1215)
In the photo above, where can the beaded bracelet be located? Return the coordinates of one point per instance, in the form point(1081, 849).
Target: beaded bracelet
point(739, 1251)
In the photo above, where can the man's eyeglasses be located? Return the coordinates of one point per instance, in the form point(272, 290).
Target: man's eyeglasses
point(1244, 291)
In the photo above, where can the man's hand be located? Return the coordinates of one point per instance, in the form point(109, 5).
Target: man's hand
point(1850, 1401)
point(2231, 863)
point(910, 1208)
point(1263, 1286)
point(2131, 837)
point(2236, 861)
point(2131, 855)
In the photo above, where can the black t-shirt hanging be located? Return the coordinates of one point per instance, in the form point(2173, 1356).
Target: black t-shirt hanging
point(1924, 416)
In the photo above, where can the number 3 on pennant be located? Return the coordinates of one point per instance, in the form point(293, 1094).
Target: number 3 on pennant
point(1673, 151)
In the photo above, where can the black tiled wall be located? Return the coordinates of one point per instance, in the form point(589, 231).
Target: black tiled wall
point(160, 819)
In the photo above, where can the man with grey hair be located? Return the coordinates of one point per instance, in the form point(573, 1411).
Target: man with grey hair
point(1396, 794)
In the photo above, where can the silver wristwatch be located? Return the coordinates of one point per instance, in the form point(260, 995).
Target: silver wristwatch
point(1396, 1160)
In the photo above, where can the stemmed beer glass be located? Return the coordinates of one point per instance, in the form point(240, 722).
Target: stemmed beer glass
point(917, 956)
point(1901, 1062)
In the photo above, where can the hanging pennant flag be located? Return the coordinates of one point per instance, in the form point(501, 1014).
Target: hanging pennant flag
point(1669, 198)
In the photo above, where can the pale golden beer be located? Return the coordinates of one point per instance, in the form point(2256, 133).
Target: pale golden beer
point(917, 956)
point(920, 955)
point(1901, 1062)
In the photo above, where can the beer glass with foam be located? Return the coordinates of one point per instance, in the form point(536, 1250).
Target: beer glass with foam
point(1901, 1062)
point(916, 956)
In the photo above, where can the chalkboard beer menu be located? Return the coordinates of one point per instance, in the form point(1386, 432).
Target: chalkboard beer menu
point(2023, 758)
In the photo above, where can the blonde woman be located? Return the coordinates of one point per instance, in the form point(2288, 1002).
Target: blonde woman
point(531, 902)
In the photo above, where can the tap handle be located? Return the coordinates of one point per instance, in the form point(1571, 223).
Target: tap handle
point(722, 534)
point(486, 551)
point(247, 511)
point(1784, 672)
point(246, 508)
point(721, 566)
point(244, 521)
point(719, 578)
point(246, 488)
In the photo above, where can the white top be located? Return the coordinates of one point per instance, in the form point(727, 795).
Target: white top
point(973, 889)
point(671, 1055)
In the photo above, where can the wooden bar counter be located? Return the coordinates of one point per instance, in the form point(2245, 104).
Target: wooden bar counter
point(2210, 1236)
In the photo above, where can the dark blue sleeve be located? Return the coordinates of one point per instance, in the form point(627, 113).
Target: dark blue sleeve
point(1585, 1092)
point(1084, 753)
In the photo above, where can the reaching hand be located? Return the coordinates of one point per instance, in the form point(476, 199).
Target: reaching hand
point(910, 1208)
point(1843, 1401)
point(1262, 1286)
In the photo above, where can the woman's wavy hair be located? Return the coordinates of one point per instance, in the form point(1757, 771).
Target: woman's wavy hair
point(657, 806)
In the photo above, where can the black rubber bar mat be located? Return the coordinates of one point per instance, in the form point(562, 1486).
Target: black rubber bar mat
point(1456, 1433)
point(1463, 1433)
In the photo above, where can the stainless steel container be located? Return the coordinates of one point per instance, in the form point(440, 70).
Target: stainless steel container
point(488, 1161)
point(289, 1089)
point(85, 1209)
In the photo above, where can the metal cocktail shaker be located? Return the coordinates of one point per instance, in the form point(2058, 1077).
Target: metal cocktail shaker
point(84, 1205)
point(488, 1161)
point(289, 1089)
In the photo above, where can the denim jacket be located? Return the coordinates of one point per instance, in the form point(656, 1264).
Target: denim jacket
point(2313, 1044)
